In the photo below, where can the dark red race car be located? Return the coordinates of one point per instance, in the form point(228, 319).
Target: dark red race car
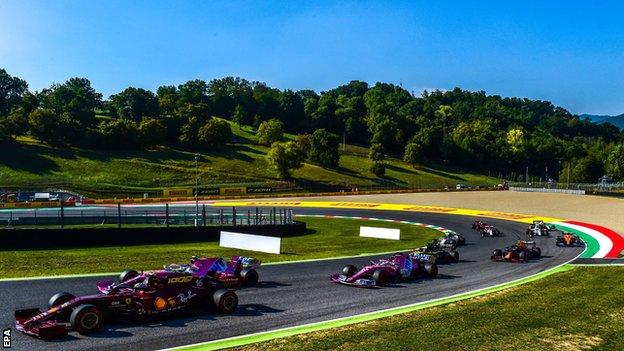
point(205, 283)
point(521, 251)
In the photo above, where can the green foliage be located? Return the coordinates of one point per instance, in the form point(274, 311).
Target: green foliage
point(284, 157)
point(134, 103)
point(324, 148)
point(45, 124)
point(270, 131)
point(378, 169)
point(377, 153)
point(241, 116)
point(152, 132)
point(11, 91)
point(119, 133)
point(303, 142)
point(412, 154)
point(214, 134)
point(189, 132)
point(615, 163)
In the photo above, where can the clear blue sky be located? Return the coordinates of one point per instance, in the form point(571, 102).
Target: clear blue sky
point(569, 52)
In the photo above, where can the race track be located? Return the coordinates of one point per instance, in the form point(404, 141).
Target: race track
point(292, 294)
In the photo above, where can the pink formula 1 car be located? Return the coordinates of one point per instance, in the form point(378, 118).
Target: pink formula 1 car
point(399, 267)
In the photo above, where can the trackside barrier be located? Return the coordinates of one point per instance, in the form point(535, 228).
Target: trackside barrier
point(380, 233)
point(219, 197)
point(251, 242)
point(547, 190)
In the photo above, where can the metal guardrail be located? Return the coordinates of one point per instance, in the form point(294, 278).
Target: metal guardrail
point(547, 190)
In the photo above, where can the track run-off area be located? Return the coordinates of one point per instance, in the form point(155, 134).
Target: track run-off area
point(298, 296)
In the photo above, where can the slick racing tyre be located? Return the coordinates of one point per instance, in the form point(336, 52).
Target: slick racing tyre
point(522, 256)
point(127, 275)
point(431, 269)
point(225, 300)
point(497, 252)
point(380, 277)
point(537, 252)
point(86, 319)
point(455, 256)
point(59, 299)
point(349, 270)
point(249, 277)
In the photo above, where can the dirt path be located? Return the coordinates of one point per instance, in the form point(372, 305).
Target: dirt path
point(605, 211)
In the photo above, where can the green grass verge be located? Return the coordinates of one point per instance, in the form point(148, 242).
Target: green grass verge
point(577, 309)
point(29, 164)
point(326, 238)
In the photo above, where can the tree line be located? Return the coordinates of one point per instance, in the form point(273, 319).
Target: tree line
point(486, 133)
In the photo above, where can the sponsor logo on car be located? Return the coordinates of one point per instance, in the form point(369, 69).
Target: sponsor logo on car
point(177, 280)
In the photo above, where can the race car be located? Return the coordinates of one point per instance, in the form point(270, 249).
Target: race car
point(521, 251)
point(490, 231)
point(569, 239)
point(245, 268)
point(539, 228)
point(137, 297)
point(399, 267)
point(478, 225)
point(437, 252)
point(457, 237)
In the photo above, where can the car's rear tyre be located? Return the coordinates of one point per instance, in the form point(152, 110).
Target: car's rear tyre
point(380, 277)
point(127, 275)
point(455, 256)
point(462, 241)
point(537, 252)
point(349, 270)
point(431, 269)
point(225, 300)
point(497, 252)
point(59, 299)
point(249, 277)
point(86, 319)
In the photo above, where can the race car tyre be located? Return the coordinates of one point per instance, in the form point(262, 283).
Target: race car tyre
point(522, 256)
point(349, 270)
point(380, 277)
point(455, 256)
point(462, 241)
point(497, 252)
point(86, 319)
point(249, 277)
point(59, 299)
point(537, 252)
point(127, 275)
point(431, 269)
point(225, 300)
point(483, 234)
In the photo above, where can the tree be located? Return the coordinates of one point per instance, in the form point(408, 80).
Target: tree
point(324, 148)
point(413, 153)
point(122, 134)
point(615, 163)
point(45, 124)
point(377, 155)
point(215, 133)
point(303, 143)
point(285, 157)
point(378, 169)
point(189, 132)
point(241, 116)
point(16, 123)
point(152, 132)
point(134, 103)
point(11, 91)
point(270, 131)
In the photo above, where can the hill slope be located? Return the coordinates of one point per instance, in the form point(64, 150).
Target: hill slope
point(615, 120)
point(30, 164)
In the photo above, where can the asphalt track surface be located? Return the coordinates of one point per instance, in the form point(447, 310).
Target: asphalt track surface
point(292, 294)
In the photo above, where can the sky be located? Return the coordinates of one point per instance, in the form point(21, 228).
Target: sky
point(568, 52)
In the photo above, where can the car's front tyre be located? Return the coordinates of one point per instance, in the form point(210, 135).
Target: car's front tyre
point(86, 319)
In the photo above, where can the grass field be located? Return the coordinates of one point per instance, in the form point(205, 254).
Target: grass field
point(29, 164)
point(326, 238)
point(582, 309)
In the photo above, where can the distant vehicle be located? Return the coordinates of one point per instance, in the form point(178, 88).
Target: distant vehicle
point(539, 228)
point(478, 225)
point(437, 252)
point(569, 240)
point(490, 231)
point(461, 186)
point(459, 238)
point(399, 267)
point(521, 251)
point(136, 297)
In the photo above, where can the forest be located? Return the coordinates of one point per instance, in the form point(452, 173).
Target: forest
point(472, 130)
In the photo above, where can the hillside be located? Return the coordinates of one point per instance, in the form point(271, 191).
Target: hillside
point(615, 120)
point(30, 164)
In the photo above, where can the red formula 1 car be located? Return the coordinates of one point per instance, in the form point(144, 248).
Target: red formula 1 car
point(206, 282)
point(478, 225)
point(521, 251)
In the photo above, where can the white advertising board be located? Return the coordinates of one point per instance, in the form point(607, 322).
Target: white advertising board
point(380, 233)
point(251, 242)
